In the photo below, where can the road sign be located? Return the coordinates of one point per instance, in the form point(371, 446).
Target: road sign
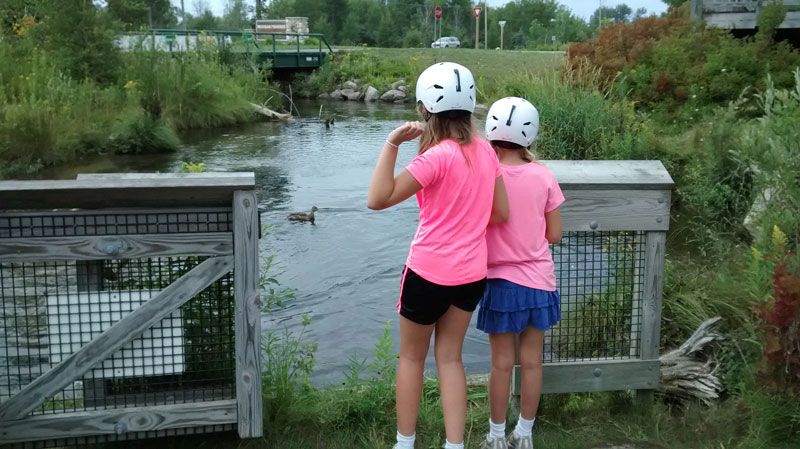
point(477, 12)
point(438, 12)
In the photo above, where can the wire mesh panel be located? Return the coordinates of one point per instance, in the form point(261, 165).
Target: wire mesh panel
point(50, 309)
point(600, 279)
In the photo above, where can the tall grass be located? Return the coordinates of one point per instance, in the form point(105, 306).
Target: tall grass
point(49, 118)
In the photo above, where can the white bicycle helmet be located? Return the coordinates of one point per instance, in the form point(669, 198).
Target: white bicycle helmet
point(512, 119)
point(446, 86)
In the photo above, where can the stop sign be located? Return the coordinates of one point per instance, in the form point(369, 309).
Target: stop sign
point(438, 12)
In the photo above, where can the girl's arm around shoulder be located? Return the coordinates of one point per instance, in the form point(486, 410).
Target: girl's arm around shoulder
point(500, 208)
point(553, 227)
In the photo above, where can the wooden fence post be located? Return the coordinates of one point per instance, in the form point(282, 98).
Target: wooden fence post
point(655, 243)
point(248, 313)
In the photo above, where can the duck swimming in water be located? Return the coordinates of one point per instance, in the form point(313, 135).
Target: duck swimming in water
point(303, 216)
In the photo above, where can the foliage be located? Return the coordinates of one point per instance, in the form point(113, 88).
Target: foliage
point(139, 14)
point(672, 63)
point(192, 167)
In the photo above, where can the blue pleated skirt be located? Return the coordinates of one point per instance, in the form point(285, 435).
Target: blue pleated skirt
point(510, 307)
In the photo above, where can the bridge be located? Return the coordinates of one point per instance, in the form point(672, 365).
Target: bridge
point(741, 14)
point(285, 51)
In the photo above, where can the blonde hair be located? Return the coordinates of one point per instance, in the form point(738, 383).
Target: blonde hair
point(456, 127)
point(524, 152)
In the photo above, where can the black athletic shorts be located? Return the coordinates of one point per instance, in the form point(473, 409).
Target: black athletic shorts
point(424, 302)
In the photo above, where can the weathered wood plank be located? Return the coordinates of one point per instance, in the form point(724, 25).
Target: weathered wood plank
point(115, 247)
point(610, 175)
point(115, 337)
point(193, 189)
point(615, 210)
point(248, 314)
point(655, 244)
point(101, 422)
point(588, 376)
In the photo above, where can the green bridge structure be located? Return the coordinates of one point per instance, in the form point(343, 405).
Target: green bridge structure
point(285, 51)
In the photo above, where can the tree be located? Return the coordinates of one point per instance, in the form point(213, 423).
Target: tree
point(237, 15)
point(675, 3)
point(640, 13)
point(620, 14)
point(138, 14)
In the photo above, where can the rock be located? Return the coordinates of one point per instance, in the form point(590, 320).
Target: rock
point(336, 95)
point(350, 85)
point(481, 107)
point(402, 88)
point(752, 221)
point(400, 101)
point(398, 83)
point(324, 96)
point(352, 95)
point(393, 95)
point(371, 94)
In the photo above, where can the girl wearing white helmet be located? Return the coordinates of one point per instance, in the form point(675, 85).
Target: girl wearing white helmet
point(456, 178)
point(521, 296)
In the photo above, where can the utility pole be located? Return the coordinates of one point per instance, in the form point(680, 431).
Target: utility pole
point(183, 16)
point(485, 26)
point(259, 7)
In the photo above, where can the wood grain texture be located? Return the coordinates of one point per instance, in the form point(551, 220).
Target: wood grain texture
point(655, 244)
point(248, 314)
point(115, 247)
point(167, 190)
point(609, 175)
point(115, 337)
point(615, 210)
point(103, 422)
point(588, 376)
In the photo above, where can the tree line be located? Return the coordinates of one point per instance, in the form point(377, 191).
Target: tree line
point(382, 23)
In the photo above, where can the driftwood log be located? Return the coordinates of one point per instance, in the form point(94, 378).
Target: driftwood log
point(690, 371)
point(269, 113)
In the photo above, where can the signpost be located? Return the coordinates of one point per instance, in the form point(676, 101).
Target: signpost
point(477, 12)
point(437, 14)
point(502, 26)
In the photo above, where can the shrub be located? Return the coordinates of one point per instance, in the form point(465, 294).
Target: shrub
point(671, 62)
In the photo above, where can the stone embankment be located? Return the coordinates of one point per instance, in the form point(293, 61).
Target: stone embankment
point(352, 90)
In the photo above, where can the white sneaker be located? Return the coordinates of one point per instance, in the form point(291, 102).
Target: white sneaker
point(517, 442)
point(494, 443)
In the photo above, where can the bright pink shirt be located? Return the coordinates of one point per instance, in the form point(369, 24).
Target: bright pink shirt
point(518, 249)
point(454, 208)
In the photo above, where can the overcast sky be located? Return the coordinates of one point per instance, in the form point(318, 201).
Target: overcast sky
point(583, 8)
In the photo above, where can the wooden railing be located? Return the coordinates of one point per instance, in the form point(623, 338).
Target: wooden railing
point(130, 307)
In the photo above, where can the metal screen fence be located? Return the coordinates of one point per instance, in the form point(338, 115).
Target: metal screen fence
point(49, 309)
point(600, 277)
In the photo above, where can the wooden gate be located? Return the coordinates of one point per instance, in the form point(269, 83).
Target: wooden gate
point(130, 307)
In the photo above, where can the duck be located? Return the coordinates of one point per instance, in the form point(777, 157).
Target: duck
point(303, 216)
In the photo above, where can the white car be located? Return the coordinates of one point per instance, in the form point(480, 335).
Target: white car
point(446, 42)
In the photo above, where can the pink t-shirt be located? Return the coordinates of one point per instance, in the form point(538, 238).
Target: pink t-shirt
point(518, 249)
point(455, 204)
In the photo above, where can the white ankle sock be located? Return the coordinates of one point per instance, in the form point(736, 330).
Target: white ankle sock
point(404, 442)
point(524, 426)
point(449, 445)
point(496, 430)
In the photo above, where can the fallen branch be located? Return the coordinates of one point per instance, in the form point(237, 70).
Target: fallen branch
point(689, 371)
point(269, 113)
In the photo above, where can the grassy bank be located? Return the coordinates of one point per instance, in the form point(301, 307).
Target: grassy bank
point(50, 116)
point(382, 66)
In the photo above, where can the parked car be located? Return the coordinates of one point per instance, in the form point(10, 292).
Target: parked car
point(446, 42)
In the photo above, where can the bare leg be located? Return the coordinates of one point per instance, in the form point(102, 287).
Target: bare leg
point(500, 378)
point(531, 343)
point(414, 341)
point(450, 331)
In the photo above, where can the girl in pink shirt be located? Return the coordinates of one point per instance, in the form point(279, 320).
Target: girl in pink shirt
point(521, 296)
point(456, 178)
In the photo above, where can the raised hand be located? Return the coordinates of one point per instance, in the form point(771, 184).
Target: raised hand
point(405, 132)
